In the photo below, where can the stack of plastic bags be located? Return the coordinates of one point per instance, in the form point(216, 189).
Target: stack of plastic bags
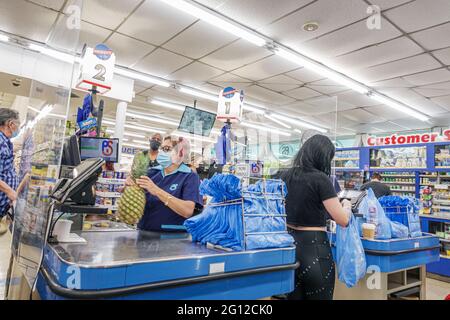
point(259, 209)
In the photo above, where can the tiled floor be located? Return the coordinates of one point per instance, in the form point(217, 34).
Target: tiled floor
point(436, 290)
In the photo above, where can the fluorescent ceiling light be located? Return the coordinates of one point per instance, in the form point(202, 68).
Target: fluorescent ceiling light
point(322, 70)
point(216, 20)
point(140, 141)
point(191, 137)
point(263, 128)
point(253, 109)
point(398, 106)
point(142, 77)
point(168, 105)
point(135, 127)
point(4, 38)
point(128, 134)
point(298, 122)
point(153, 119)
point(133, 145)
point(53, 53)
point(277, 121)
point(298, 131)
point(199, 94)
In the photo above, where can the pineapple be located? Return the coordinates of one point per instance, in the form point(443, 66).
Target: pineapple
point(132, 201)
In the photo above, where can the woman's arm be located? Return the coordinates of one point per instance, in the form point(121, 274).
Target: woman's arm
point(182, 207)
point(339, 213)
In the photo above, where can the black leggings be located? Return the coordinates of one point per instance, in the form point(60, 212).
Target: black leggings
point(314, 279)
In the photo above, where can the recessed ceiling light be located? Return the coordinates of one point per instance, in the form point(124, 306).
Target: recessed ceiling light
point(311, 26)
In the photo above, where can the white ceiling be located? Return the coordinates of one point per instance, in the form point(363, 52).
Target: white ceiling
point(408, 58)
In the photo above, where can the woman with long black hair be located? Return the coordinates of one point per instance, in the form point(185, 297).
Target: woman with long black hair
point(310, 201)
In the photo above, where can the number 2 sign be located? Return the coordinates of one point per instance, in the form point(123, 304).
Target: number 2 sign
point(97, 68)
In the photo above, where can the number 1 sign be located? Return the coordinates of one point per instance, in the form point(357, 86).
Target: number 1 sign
point(97, 68)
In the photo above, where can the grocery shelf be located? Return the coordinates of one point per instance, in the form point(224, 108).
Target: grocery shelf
point(436, 216)
point(442, 201)
point(399, 175)
point(398, 190)
point(444, 240)
point(407, 183)
point(444, 256)
point(346, 159)
point(428, 176)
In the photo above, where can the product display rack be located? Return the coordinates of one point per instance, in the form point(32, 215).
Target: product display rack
point(107, 190)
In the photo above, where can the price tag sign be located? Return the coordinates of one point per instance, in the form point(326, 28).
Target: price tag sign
point(230, 105)
point(97, 68)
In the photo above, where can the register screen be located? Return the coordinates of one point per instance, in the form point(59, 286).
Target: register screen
point(104, 148)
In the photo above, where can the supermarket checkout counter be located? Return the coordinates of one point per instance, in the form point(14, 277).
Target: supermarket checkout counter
point(396, 267)
point(147, 265)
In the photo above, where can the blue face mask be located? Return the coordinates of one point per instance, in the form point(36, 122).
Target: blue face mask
point(164, 159)
point(15, 134)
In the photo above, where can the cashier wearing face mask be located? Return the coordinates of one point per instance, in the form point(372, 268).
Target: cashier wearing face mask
point(9, 128)
point(172, 189)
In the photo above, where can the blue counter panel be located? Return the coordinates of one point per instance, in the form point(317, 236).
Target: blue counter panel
point(246, 287)
point(442, 267)
point(105, 262)
point(397, 254)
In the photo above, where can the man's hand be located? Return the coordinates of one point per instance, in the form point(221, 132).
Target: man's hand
point(12, 195)
point(147, 184)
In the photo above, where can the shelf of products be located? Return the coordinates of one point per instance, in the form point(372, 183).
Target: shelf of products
point(107, 189)
point(348, 159)
point(350, 180)
point(442, 156)
point(398, 158)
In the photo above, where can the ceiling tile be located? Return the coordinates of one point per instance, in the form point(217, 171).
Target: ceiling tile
point(353, 37)
point(361, 116)
point(429, 77)
point(304, 75)
point(121, 45)
point(155, 22)
point(257, 13)
point(26, 19)
point(161, 63)
point(414, 100)
point(231, 80)
point(356, 99)
point(443, 102)
point(267, 96)
point(52, 4)
point(378, 54)
point(326, 86)
point(329, 14)
point(109, 14)
point(195, 72)
point(392, 83)
point(434, 90)
point(387, 112)
point(443, 55)
point(434, 38)
point(387, 4)
point(265, 68)
point(199, 40)
point(420, 14)
point(302, 93)
point(398, 68)
point(280, 83)
point(91, 35)
point(236, 55)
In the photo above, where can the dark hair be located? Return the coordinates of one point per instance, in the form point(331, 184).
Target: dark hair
point(7, 114)
point(316, 154)
point(377, 176)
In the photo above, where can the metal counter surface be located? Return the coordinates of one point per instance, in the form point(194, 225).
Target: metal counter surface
point(118, 259)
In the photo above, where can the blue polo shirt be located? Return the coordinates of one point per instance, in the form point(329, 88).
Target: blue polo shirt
point(182, 184)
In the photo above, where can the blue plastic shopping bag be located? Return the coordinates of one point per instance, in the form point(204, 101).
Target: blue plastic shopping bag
point(373, 213)
point(350, 256)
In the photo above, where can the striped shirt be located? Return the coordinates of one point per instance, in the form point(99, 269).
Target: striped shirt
point(7, 170)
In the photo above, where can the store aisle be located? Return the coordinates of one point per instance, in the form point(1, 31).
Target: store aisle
point(5, 242)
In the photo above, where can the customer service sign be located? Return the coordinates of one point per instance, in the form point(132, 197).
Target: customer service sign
point(397, 139)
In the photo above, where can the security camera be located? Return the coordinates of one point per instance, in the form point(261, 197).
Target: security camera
point(16, 82)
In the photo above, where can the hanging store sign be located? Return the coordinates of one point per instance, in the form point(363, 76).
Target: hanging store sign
point(230, 105)
point(97, 68)
point(395, 139)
